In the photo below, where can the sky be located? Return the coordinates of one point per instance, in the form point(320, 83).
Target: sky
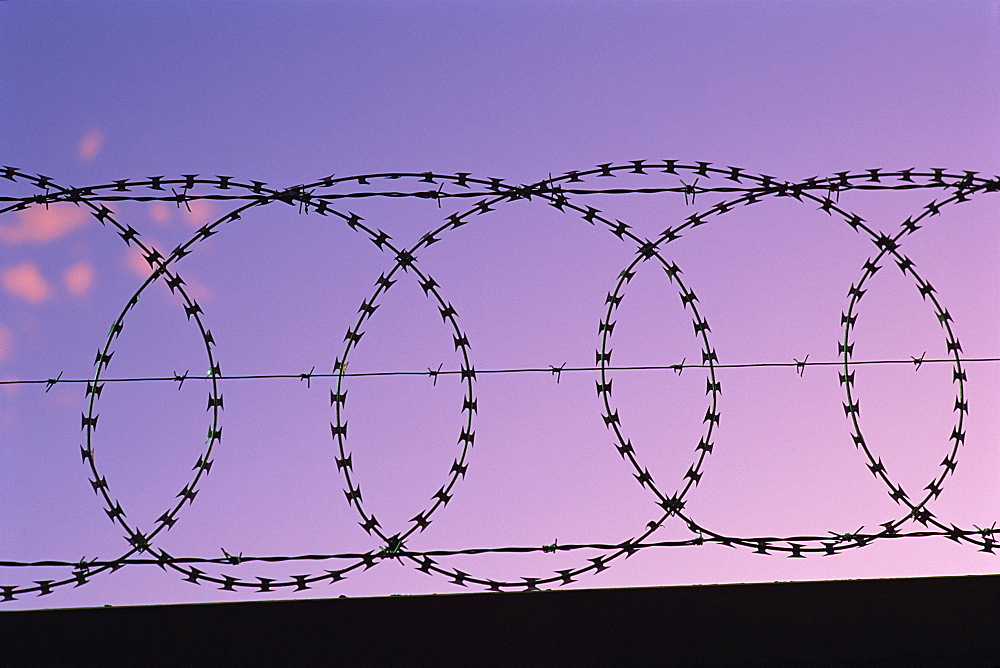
point(290, 93)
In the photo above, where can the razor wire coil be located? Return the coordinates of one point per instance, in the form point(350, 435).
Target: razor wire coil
point(739, 189)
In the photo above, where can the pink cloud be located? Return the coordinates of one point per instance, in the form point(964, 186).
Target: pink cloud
point(6, 343)
point(199, 291)
point(90, 145)
point(159, 212)
point(200, 213)
point(136, 263)
point(25, 281)
point(79, 278)
point(41, 225)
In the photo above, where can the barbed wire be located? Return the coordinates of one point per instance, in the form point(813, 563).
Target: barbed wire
point(740, 189)
point(555, 370)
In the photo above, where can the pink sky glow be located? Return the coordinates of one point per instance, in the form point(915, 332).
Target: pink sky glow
point(286, 94)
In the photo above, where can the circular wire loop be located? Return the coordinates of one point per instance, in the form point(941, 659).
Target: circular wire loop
point(491, 193)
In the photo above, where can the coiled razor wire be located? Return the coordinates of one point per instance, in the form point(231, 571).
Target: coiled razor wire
point(563, 193)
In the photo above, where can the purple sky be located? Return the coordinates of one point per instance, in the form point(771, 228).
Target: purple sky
point(291, 92)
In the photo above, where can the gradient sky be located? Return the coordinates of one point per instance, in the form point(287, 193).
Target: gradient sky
point(290, 92)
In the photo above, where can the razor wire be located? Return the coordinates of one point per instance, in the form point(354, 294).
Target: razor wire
point(565, 193)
